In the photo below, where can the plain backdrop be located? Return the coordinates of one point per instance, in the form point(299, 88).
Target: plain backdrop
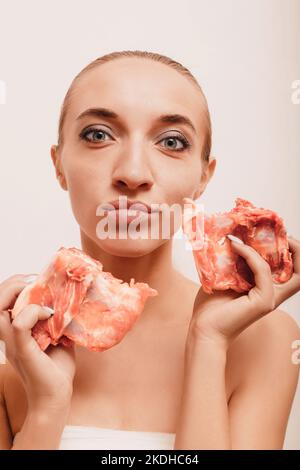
point(246, 56)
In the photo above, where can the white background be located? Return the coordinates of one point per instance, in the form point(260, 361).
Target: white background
point(245, 54)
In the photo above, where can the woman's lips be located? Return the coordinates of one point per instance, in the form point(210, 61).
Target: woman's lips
point(124, 203)
point(126, 216)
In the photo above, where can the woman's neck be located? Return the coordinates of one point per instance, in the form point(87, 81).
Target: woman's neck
point(154, 268)
point(157, 270)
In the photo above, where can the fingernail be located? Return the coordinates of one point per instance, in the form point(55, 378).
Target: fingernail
point(235, 239)
point(49, 310)
point(31, 278)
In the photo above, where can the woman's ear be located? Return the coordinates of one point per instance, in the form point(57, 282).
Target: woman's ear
point(56, 159)
point(210, 168)
point(207, 173)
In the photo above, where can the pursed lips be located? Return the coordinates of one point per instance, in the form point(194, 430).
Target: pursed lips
point(131, 207)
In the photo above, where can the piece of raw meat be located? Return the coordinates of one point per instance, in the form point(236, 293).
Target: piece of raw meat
point(92, 308)
point(218, 266)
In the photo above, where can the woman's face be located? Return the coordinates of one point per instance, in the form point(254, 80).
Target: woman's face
point(136, 154)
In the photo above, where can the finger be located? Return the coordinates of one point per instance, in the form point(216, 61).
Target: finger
point(24, 322)
point(263, 292)
point(11, 288)
point(6, 335)
point(18, 277)
point(294, 246)
point(292, 286)
point(287, 289)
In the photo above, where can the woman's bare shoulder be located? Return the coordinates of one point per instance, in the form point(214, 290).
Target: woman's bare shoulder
point(2, 375)
point(10, 382)
point(13, 395)
point(266, 350)
point(277, 327)
point(5, 428)
point(5, 370)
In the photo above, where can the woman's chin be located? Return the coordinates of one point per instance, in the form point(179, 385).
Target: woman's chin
point(129, 247)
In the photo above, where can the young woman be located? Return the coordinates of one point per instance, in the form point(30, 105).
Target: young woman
point(197, 371)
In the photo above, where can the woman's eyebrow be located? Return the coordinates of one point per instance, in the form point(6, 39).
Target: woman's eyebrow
point(109, 114)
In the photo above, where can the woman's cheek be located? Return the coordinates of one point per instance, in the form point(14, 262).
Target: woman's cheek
point(86, 193)
point(181, 181)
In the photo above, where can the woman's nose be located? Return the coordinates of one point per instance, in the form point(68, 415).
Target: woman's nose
point(132, 174)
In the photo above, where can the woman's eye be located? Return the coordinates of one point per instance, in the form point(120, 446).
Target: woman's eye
point(96, 135)
point(171, 142)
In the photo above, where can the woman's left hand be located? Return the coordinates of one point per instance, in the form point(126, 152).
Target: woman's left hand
point(221, 316)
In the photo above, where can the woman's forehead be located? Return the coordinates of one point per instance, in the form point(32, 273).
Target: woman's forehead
point(137, 86)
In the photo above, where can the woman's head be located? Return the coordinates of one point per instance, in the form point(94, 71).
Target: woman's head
point(112, 139)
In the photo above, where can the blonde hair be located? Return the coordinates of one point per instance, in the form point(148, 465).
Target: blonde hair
point(143, 55)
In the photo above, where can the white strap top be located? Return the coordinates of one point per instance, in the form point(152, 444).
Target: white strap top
point(94, 438)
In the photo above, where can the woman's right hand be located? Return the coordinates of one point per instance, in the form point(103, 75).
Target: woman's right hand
point(47, 377)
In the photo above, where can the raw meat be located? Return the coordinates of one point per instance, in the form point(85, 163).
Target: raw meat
point(91, 307)
point(218, 266)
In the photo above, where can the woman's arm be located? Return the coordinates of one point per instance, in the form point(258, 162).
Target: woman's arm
point(42, 429)
point(205, 420)
point(260, 365)
point(266, 381)
point(47, 378)
point(5, 431)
